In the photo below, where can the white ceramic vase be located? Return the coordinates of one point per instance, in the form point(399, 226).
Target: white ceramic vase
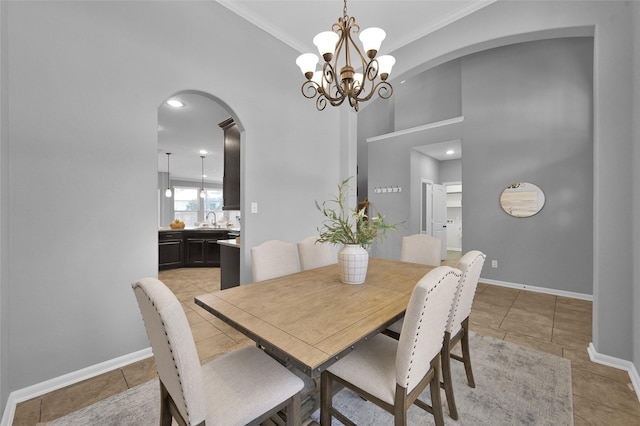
point(352, 261)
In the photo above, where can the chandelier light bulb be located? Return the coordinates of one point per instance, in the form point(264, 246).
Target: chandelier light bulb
point(168, 193)
point(307, 63)
point(371, 39)
point(203, 193)
point(385, 63)
point(357, 79)
point(326, 43)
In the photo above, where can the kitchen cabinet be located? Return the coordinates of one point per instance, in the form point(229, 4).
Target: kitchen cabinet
point(229, 263)
point(231, 178)
point(170, 250)
point(202, 249)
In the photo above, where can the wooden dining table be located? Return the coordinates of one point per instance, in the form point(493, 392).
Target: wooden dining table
point(310, 319)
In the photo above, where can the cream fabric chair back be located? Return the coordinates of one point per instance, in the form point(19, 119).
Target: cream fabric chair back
point(173, 348)
point(424, 323)
point(315, 255)
point(421, 248)
point(273, 259)
point(471, 266)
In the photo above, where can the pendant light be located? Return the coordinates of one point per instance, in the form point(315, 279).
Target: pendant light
point(202, 191)
point(168, 193)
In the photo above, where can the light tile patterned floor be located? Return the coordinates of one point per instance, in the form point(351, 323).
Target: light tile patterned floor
point(558, 325)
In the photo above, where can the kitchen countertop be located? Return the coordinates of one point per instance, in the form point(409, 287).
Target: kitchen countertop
point(199, 228)
point(229, 243)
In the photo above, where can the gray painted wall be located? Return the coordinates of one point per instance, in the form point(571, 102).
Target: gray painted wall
point(451, 171)
point(377, 120)
point(528, 117)
point(4, 213)
point(636, 184)
point(503, 23)
point(86, 79)
point(438, 92)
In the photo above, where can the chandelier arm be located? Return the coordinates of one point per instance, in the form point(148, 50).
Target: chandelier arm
point(310, 89)
point(336, 101)
point(383, 88)
point(321, 103)
point(328, 74)
point(356, 28)
point(368, 79)
point(332, 84)
point(371, 70)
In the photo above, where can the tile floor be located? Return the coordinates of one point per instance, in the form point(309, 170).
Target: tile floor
point(558, 325)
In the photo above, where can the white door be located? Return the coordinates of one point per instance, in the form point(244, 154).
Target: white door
point(440, 217)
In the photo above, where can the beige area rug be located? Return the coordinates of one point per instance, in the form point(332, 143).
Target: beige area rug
point(514, 386)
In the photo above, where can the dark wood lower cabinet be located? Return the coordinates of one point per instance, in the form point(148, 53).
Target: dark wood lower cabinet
point(202, 248)
point(178, 249)
point(170, 250)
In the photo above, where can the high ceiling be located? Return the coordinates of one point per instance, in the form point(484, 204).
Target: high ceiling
point(185, 131)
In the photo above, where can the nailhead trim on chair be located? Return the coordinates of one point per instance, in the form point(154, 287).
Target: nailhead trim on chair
point(422, 315)
point(186, 405)
point(454, 309)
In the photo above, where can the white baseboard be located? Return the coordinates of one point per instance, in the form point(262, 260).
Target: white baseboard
point(553, 291)
point(47, 386)
point(618, 363)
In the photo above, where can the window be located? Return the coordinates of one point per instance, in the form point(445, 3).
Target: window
point(185, 205)
point(213, 200)
point(213, 203)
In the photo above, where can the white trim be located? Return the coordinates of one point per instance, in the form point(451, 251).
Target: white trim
point(441, 23)
point(416, 129)
point(283, 32)
point(620, 364)
point(60, 382)
point(553, 291)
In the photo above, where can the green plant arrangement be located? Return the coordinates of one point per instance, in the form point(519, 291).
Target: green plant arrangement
point(344, 225)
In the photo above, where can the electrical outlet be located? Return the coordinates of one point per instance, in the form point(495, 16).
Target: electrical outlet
point(494, 263)
point(254, 207)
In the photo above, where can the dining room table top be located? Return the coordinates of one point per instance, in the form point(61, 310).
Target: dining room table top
point(311, 319)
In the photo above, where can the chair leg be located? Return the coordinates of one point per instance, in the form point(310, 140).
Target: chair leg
point(436, 401)
point(293, 411)
point(165, 411)
point(326, 396)
point(446, 376)
point(400, 407)
point(466, 355)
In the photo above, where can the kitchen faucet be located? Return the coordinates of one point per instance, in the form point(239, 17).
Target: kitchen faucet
point(215, 217)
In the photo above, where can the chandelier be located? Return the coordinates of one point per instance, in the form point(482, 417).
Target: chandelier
point(338, 79)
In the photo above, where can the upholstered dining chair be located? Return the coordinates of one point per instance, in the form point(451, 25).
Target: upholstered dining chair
point(417, 248)
point(314, 255)
point(273, 259)
point(421, 248)
point(392, 373)
point(457, 329)
point(242, 387)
